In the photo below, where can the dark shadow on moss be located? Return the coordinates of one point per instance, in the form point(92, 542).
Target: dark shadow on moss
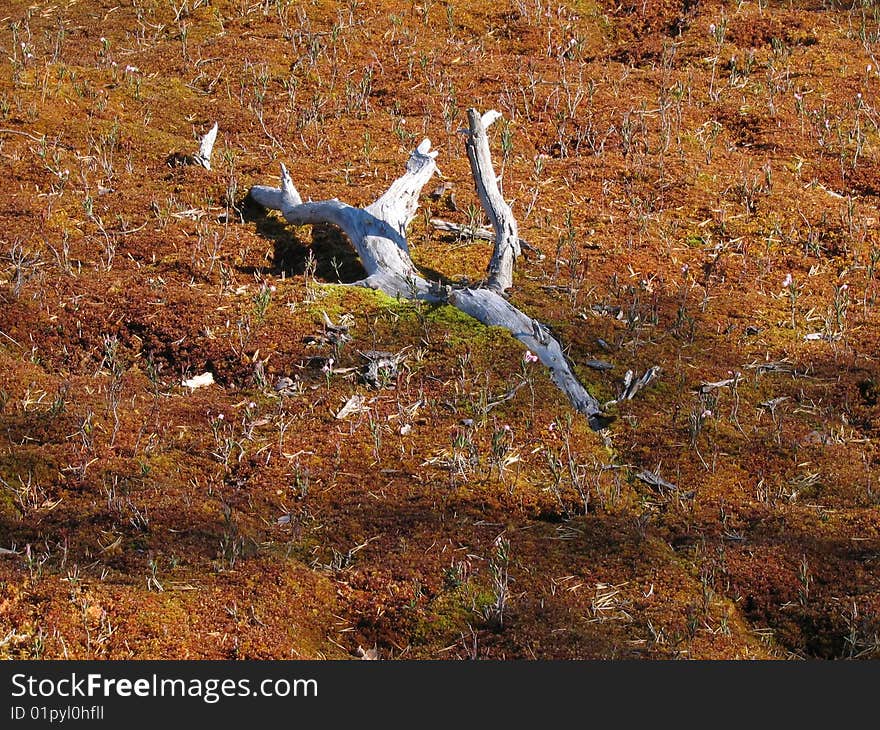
point(335, 259)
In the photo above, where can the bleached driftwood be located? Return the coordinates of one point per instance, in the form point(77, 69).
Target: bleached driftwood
point(507, 248)
point(632, 385)
point(206, 147)
point(378, 234)
point(480, 232)
point(202, 157)
point(486, 234)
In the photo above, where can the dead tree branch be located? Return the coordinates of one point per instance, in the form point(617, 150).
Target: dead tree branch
point(378, 234)
point(507, 248)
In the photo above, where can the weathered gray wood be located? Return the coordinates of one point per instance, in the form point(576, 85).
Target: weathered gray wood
point(481, 232)
point(484, 234)
point(631, 385)
point(656, 481)
point(397, 207)
point(201, 158)
point(206, 147)
point(507, 248)
point(490, 308)
point(378, 234)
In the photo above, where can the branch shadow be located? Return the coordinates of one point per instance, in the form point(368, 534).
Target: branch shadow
point(334, 258)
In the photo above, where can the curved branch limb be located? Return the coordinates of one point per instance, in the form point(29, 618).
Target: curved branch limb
point(490, 117)
point(283, 198)
point(398, 205)
point(492, 309)
point(413, 287)
point(379, 242)
point(507, 248)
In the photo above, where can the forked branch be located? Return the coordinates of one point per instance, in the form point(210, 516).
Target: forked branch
point(378, 234)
